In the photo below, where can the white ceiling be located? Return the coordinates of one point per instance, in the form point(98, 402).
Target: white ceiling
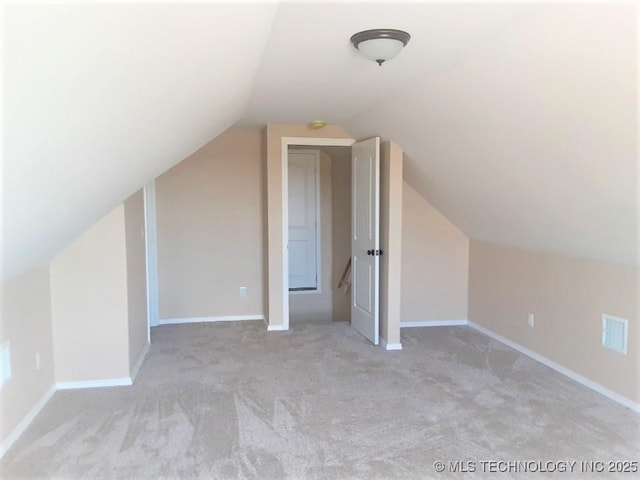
point(519, 120)
point(100, 99)
point(310, 70)
point(531, 138)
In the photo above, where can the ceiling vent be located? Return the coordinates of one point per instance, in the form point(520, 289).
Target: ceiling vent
point(614, 333)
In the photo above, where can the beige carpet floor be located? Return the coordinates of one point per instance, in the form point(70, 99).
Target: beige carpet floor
point(230, 400)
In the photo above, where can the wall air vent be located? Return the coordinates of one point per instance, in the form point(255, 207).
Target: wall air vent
point(5, 363)
point(614, 333)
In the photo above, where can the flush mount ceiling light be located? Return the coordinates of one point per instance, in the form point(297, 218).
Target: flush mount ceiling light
point(380, 44)
point(317, 124)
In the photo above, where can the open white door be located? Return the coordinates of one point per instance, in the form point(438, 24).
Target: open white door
point(365, 238)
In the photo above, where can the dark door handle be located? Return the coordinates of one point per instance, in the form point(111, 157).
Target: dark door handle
point(370, 252)
point(374, 252)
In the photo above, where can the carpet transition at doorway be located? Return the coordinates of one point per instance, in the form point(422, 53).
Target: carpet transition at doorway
point(228, 400)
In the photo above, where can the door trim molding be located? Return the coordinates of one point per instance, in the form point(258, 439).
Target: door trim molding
point(285, 142)
point(151, 256)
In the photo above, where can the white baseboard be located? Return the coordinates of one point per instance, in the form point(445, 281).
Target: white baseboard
point(26, 421)
point(108, 382)
point(276, 328)
point(141, 357)
point(225, 318)
point(111, 382)
point(389, 346)
point(616, 397)
point(434, 323)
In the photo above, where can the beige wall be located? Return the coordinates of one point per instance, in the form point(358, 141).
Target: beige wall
point(341, 221)
point(210, 229)
point(567, 295)
point(136, 276)
point(319, 306)
point(85, 314)
point(391, 207)
point(89, 304)
point(435, 263)
point(275, 275)
point(26, 323)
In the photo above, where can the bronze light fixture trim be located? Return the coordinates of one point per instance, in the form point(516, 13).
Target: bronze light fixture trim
point(380, 44)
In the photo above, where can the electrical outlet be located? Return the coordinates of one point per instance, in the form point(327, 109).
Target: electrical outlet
point(243, 291)
point(37, 360)
point(531, 320)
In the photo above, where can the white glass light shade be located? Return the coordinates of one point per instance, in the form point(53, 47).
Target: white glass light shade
point(380, 49)
point(380, 44)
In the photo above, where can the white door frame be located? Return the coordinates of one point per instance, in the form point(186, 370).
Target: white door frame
point(318, 212)
point(285, 143)
point(151, 252)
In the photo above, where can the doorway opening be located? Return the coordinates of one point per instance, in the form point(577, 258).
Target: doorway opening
point(295, 143)
point(319, 233)
point(364, 232)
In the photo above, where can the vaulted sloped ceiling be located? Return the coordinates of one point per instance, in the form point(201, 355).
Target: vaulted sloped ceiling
point(531, 137)
point(101, 98)
point(519, 121)
point(310, 70)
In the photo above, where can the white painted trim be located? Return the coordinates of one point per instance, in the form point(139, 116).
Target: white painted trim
point(284, 147)
point(318, 289)
point(225, 318)
point(276, 328)
point(376, 243)
point(320, 142)
point(616, 397)
point(26, 421)
point(151, 254)
point(389, 346)
point(136, 367)
point(108, 382)
point(434, 323)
